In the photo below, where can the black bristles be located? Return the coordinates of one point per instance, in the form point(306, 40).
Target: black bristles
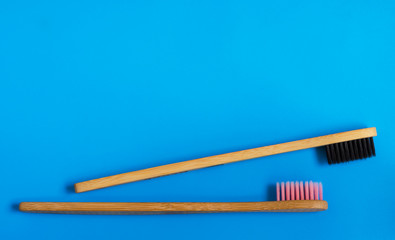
point(342, 155)
point(333, 153)
point(346, 151)
point(328, 154)
point(351, 150)
point(337, 152)
point(372, 146)
point(356, 152)
point(360, 148)
point(365, 148)
point(367, 140)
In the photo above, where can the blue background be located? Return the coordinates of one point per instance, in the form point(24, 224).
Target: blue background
point(94, 88)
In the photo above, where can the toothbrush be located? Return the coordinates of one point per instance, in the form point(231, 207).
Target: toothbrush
point(340, 147)
point(291, 197)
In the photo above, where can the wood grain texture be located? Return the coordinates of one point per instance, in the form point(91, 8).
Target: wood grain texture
point(171, 207)
point(222, 159)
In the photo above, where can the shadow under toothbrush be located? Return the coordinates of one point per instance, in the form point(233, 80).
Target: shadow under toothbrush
point(271, 192)
point(321, 156)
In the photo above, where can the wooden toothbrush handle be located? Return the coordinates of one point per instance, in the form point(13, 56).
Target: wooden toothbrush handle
point(172, 207)
point(222, 159)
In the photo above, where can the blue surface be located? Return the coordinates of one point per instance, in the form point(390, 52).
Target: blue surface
point(103, 87)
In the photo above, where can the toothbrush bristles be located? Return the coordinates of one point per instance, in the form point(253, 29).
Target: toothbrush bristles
point(306, 190)
point(350, 151)
point(296, 191)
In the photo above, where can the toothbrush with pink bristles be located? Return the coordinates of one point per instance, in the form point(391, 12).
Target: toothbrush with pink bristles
point(291, 197)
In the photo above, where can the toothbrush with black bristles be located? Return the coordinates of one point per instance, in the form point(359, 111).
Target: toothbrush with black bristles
point(340, 147)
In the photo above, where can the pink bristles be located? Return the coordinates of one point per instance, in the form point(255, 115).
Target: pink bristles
point(306, 189)
point(311, 186)
point(293, 190)
point(278, 191)
point(301, 191)
point(316, 191)
point(321, 192)
point(297, 190)
point(288, 191)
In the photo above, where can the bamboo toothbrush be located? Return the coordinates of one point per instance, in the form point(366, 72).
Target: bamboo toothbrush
point(340, 147)
point(291, 197)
